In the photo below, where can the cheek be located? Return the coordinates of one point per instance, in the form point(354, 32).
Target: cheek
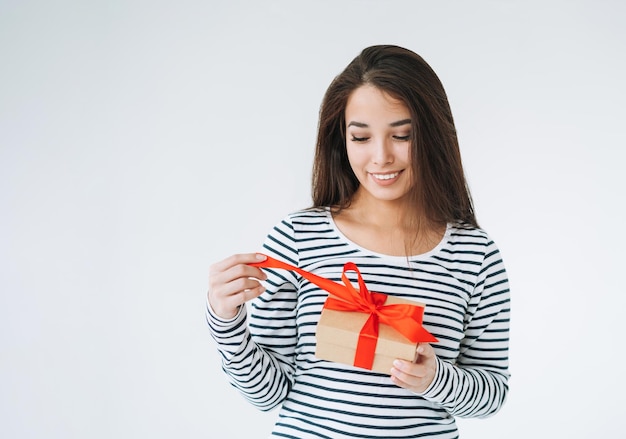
point(404, 153)
point(355, 158)
point(409, 167)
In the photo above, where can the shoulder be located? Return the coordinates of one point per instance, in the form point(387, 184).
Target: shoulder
point(303, 221)
point(303, 233)
point(470, 240)
point(311, 213)
point(310, 218)
point(468, 234)
point(475, 246)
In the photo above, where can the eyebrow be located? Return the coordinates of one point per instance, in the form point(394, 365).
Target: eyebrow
point(392, 124)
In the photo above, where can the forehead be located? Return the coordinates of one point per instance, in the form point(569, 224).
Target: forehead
point(368, 104)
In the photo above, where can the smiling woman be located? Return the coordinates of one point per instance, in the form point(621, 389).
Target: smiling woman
point(389, 196)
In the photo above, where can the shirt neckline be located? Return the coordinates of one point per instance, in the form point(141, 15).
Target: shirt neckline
point(444, 240)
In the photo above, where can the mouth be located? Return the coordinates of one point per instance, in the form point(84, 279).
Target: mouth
point(387, 176)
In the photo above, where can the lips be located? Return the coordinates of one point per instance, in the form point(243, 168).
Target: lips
point(385, 176)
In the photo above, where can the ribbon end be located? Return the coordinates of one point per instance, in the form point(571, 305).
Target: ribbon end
point(423, 336)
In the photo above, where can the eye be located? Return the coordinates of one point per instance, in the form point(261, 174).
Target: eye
point(403, 138)
point(359, 139)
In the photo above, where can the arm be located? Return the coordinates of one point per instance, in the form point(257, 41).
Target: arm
point(476, 385)
point(258, 350)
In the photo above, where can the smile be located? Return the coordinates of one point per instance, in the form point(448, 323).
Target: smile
point(385, 176)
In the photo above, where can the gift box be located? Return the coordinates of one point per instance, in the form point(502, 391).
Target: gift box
point(362, 328)
point(337, 337)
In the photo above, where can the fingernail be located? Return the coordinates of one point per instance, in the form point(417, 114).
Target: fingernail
point(397, 363)
point(261, 257)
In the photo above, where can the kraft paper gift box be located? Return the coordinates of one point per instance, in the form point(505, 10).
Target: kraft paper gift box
point(360, 328)
point(337, 336)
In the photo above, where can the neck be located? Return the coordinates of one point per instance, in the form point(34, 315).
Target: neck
point(387, 227)
point(379, 213)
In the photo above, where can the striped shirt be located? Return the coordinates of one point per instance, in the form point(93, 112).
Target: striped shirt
point(268, 353)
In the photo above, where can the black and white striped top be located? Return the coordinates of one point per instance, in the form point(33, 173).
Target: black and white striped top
point(268, 352)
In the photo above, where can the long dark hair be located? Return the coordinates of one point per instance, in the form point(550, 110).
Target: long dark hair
point(440, 193)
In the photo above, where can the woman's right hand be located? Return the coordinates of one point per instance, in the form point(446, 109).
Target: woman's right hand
point(232, 282)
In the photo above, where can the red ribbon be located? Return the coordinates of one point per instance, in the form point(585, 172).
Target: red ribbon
point(404, 318)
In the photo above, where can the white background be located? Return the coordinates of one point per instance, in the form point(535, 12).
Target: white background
point(140, 141)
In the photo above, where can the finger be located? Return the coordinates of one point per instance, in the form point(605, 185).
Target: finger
point(225, 301)
point(251, 293)
point(242, 258)
point(221, 290)
point(234, 274)
point(416, 376)
point(238, 298)
point(407, 371)
point(408, 378)
point(424, 352)
point(242, 284)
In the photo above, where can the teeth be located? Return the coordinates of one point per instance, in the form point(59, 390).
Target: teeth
point(386, 176)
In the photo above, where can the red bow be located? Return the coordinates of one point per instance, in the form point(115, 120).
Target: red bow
point(404, 318)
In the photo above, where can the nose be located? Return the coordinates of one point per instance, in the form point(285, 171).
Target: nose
point(382, 153)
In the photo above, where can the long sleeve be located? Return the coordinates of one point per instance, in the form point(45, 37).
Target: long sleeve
point(476, 384)
point(258, 350)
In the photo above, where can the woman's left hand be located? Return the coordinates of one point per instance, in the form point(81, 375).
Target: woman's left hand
point(417, 376)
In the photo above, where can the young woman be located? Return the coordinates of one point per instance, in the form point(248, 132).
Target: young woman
point(389, 194)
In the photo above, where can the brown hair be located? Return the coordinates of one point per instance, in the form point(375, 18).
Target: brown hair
point(440, 193)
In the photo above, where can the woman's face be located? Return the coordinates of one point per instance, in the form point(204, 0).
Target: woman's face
point(378, 143)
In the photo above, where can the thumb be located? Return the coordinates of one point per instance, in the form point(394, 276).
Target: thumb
point(424, 351)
